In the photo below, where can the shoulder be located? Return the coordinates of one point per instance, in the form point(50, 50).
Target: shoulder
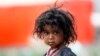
point(67, 52)
point(45, 54)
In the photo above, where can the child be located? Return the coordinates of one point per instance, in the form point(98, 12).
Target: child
point(56, 28)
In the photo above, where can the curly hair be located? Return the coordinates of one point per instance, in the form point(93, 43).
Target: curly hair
point(57, 17)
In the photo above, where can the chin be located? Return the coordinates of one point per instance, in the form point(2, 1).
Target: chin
point(53, 46)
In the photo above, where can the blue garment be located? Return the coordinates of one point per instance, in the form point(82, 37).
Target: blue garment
point(65, 51)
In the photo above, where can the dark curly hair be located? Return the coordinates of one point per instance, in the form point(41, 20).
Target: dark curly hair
point(57, 17)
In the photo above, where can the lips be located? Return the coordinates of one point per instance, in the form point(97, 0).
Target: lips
point(51, 43)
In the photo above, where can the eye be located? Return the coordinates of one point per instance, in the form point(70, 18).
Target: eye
point(56, 32)
point(46, 33)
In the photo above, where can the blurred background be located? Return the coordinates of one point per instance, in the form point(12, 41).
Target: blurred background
point(17, 19)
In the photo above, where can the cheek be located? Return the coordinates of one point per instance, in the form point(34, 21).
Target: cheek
point(45, 40)
point(59, 39)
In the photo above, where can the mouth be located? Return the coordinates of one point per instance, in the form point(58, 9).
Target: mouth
point(51, 43)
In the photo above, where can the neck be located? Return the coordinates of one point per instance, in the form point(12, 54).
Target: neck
point(58, 46)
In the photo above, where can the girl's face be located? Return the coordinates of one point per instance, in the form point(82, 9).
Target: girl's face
point(53, 36)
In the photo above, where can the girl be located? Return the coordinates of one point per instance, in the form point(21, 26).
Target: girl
point(56, 28)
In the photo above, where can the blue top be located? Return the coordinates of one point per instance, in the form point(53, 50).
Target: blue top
point(65, 51)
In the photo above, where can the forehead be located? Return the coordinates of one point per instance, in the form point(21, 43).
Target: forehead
point(51, 28)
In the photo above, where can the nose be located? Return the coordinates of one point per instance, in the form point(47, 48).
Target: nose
point(51, 36)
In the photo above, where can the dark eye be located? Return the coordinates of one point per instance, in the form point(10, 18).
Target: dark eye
point(56, 32)
point(46, 33)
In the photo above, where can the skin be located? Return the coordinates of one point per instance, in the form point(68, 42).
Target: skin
point(53, 36)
